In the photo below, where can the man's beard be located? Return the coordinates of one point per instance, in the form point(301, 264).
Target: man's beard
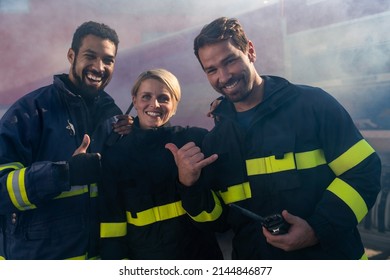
point(240, 97)
point(82, 88)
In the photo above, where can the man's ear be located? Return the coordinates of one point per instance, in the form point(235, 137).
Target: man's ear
point(251, 52)
point(71, 55)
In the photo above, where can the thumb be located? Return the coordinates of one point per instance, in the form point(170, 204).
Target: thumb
point(83, 146)
point(289, 218)
point(173, 148)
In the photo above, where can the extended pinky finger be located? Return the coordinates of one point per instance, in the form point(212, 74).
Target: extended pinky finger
point(208, 161)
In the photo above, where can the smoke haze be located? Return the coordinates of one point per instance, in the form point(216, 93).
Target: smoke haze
point(340, 45)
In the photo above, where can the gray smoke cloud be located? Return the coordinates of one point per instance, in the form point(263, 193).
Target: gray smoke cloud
point(36, 34)
point(341, 46)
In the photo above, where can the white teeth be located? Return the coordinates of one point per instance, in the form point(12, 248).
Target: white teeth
point(231, 85)
point(94, 78)
point(153, 114)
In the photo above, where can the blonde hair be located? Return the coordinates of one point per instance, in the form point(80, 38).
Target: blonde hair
point(165, 77)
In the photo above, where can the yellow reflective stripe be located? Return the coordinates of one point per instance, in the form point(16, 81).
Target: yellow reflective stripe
point(364, 257)
point(156, 214)
point(270, 164)
point(93, 190)
point(17, 190)
point(74, 190)
point(310, 159)
point(113, 229)
point(213, 215)
point(352, 157)
point(82, 257)
point(11, 165)
point(236, 193)
point(350, 196)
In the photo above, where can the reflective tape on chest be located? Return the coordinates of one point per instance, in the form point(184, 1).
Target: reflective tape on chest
point(289, 161)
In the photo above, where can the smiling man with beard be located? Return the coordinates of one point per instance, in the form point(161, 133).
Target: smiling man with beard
point(50, 145)
point(88, 75)
point(282, 149)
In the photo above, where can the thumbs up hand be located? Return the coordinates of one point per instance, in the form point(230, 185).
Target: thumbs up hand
point(84, 168)
point(82, 149)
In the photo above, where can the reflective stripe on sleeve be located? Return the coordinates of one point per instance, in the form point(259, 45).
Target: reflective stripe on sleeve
point(364, 257)
point(82, 257)
point(236, 193)
point(17, 190)
point(74, 191)
point(156, 214)
point(350, 197)
point(210, 216)
point(93, 190)
point(352, 157)
point(113, 229)
point(11, 165)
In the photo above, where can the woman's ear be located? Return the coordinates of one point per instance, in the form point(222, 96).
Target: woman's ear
point(134, 100)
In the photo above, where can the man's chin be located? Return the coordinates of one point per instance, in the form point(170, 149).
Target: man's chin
point(232, 98)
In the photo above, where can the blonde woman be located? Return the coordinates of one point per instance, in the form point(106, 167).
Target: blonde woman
point(142, 215)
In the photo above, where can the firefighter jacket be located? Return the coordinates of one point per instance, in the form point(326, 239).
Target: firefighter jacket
point(142, 216)
point(301, 152)
point(42, 216)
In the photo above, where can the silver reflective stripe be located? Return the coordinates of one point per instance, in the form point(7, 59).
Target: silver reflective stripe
point(11, 165)
point(74, 191)
point(93, 192)
point(17, 190)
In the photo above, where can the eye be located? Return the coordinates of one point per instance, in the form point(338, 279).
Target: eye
point(89, 56)
point(210, 71)
point(108, 61)
point(230, 61)
point(145, 97)
point(164, 99)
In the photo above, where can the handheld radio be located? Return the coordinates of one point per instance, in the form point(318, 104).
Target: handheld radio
point(275, 223)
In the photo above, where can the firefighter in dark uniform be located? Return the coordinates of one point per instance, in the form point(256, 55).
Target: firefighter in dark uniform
point(48, 198)
point(141, 212)
point(276, 148)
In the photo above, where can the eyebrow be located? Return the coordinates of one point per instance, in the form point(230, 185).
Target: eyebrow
point(90, 51)
point(230, 56)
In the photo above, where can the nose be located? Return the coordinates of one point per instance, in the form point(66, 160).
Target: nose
point(224, 76)
point(155, 103)
point(98, 65)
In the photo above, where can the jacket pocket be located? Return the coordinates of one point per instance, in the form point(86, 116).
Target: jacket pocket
point(58, 226)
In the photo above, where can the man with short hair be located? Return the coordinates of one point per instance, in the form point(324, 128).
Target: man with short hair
point(50, 140)
point(276, 148)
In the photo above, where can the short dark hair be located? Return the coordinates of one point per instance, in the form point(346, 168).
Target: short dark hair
point(221, 29)
point(94, 28)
